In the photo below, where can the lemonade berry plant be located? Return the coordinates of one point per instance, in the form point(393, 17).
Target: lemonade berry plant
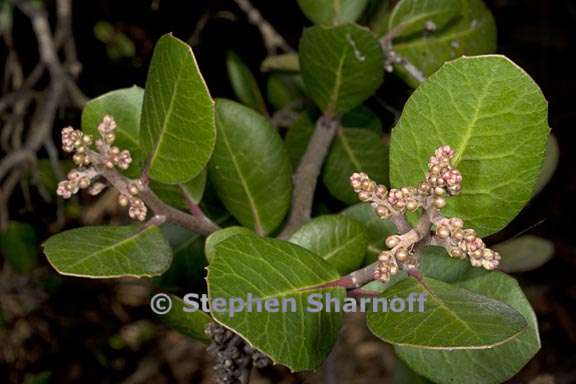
point(461, 162)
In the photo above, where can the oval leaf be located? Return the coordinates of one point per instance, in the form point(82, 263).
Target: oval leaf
point(219, 236)
point(337, 239)
point(453, 318)
point(472, 33)
point(107, 252)
point(277, 270)
point(495, 117)
point(250, 167)
point(287, 62)
point(524, 253)
point(341, 66)
point(354, 150)
point(125, 106)
point(244, 84)
point(284, 90)
point(178, 130)
point(484, 366)
point(411, 16)
point(332, 12)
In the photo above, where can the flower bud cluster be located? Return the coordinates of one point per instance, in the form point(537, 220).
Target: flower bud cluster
point(464, 242)
point(233, 355)
point(385, 203)
point(441, 174)
point(91, 156)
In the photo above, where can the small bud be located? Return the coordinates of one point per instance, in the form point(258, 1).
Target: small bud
point(443, 232)
point(439, 202)
point(364, 196)
point(109, 164)
point(78, 159)
point(382, 211)
point(123, 200)
point(439, 191)
point(87, 140)
point(401, 255)
point(84, 183)
point(133, 189)
point(412, 205)
point(109, 138)
point(456, 253)
point(392, 241)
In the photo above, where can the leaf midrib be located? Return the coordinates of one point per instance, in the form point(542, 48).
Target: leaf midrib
point(168, 112)
point(251, 201)
point(111, 247)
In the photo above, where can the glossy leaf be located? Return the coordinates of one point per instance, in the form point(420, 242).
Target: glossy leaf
point(495, 117)
point(453, 318)
point(217, 237)
point(332, 12)
point(19, 246)
point(250, 167)
point(298, 136)
point(378, 229)
point(125, 106)
point(275, 269)
point(191, 324)
point(106, 252)
point(341, 66)
point(337, 239)
point(486, 366)
point(244, 83)
point(412, 16)
point(178, 129)
point(354, 150)
point(473, 32)
point(524, 253)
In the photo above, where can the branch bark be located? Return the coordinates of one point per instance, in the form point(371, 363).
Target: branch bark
point(306, 176)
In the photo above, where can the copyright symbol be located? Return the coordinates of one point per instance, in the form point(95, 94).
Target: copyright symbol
point(161, 303)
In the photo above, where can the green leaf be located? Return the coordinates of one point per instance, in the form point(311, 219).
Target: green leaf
point(244, 83)
point(219, 236)
point(174, 194)
point(125, 106)
point(378, 229)
point(551, 159)
point(411, 16)
point(107, 252)
point(472, 33)
point(495, 117)
point(250, 168)
point(332, 12)
point(524, 253)
point(354, 150)
point(191, 324)
point(178, 129)
point(287, 62)
point(341, 66)
point(284, 90)
point(380, 18)
point(19, 245)
point(276, 270)
point(337, 239)
point(362, 117)
point(485, 366)
point(453, 318)
point(438, 265)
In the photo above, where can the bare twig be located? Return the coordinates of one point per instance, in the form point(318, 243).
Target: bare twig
point(393, 58)
point(272, 39)
point(306, 176)
point(195, 224)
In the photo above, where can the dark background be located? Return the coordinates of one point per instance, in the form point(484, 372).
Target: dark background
point(76, 324)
